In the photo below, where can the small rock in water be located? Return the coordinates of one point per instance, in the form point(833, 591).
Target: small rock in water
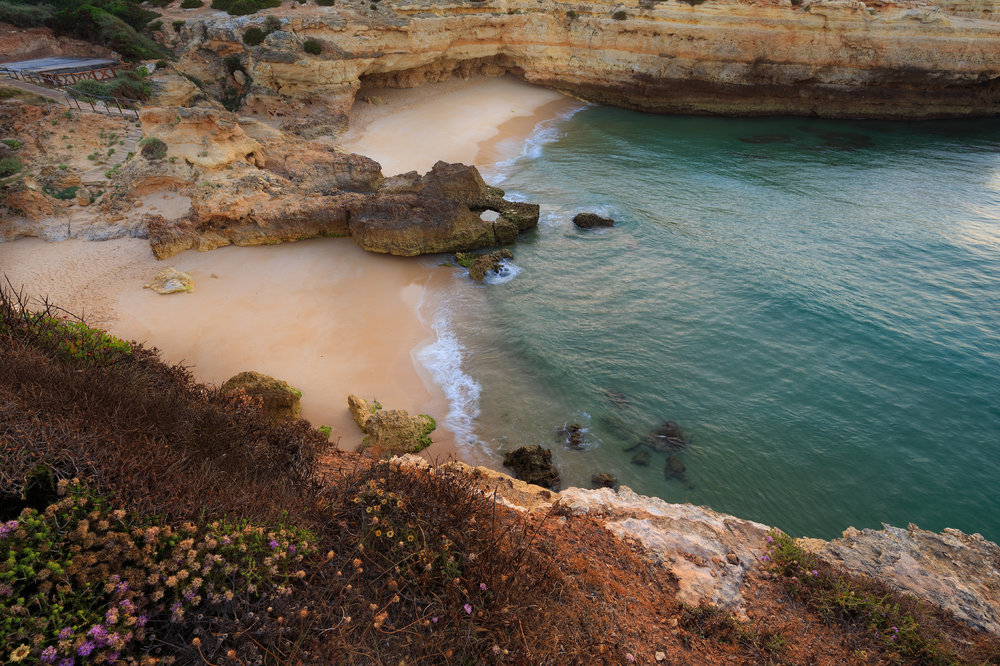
point(641, 458)
point(573, 433)
point(533, 464)
point(674, 469)
point(488, 262)
point(603, 480)
point(666, 438)
point(592, 221)
point(170, 281)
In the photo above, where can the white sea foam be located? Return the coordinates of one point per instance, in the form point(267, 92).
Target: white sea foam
point(506, 271)
point(544, 132)
point(443, 359)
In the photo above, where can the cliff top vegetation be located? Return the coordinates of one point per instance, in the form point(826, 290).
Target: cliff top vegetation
point(148, 518)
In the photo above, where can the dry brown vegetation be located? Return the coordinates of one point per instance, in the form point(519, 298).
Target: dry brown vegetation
point(403, 565)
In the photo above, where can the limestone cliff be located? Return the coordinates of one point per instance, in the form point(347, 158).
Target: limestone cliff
point(836, 58)
point(712, 554)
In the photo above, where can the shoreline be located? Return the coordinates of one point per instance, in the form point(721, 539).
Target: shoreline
point(230, 322)
point(480, 121)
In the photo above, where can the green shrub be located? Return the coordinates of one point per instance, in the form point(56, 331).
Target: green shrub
point(571, 15)
point(127, 85)
point(153, 149)
point(112, 24)
point(9, 166)
point(232, 63)
point(64, 195)
point(325, 430)
point(312, 47)
point(179, 23)
point(254, 36)
point(155, 26)
point(325, 3)
point(25, 16)
point(192, 4)
point(272, 24)
point(13, 144)
point(244, 7)
point(159, 3)
point(619, 15)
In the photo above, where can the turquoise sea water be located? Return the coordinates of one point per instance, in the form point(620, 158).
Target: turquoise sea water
point(816, 303)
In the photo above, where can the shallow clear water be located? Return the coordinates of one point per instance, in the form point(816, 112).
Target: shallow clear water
point(816, 303)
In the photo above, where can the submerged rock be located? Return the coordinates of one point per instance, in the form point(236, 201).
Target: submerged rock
point(280, 401)
point(604, 480)
point(533, 464)
point(641, 458)
point(170, 281)
point(391, 431)
point(486, 263)
point(674, 469)
point(592, 221)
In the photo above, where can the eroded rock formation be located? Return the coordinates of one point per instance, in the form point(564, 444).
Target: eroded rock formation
point(836, 58)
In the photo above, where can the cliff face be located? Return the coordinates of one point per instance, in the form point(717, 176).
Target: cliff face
point(713, 555)
point(834, 58)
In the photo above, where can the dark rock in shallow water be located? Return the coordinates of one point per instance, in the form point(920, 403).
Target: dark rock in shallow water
point(592, 221)
point(533, 464)
point(674, 469)
point(666, 438)
point(573, 434)
point(619, 400)
point(488, 262)
point(603, 480)
point(766, 138)
point(641, 458)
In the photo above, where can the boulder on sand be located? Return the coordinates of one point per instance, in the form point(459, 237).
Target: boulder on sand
point(170, 281)
point(391, 431)
point(281, 402)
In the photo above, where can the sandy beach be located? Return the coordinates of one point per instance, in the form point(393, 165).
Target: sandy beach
point(323, 314)
point(479, 121)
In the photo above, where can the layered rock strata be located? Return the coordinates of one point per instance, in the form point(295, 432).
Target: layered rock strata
point(834, 58)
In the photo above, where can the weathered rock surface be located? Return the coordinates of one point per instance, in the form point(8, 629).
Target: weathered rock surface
point(486, 263)
point(711, 553)
point(170, 281)
point(834, 58)
point(391, 431)
point(692, 542)
point(533, 464)
point(952, 570)
point(281, 402)
point(437, 212)
point(277, 188)
point(592, 221)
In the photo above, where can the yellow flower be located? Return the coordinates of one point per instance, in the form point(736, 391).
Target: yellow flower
point(20, 653)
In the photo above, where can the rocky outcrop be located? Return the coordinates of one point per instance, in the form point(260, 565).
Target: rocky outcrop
point(952, 570)
point(440, 211)
point(533, 464)
point(170, 281)
point(280, 401)
point(835, 58)
point(249, 191)
point(487, 263)
point(391, 431)
point(592, 221)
